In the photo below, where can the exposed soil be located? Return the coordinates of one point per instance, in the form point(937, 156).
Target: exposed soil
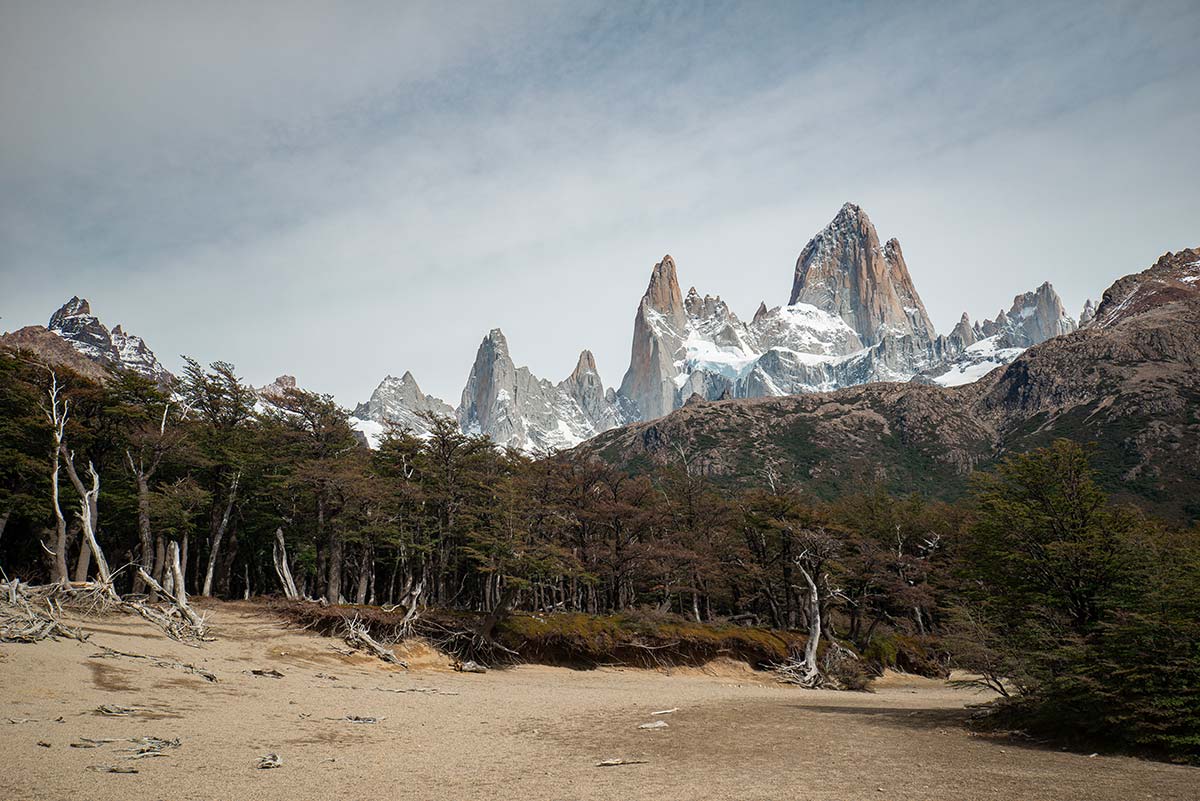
point(530, 732)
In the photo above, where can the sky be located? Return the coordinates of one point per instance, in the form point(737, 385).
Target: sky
point(341, 191)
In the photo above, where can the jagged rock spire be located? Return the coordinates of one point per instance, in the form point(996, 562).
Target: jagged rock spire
point(1037, 316)
point(843, 270)
point(658, 333)
point(1088, 314)
point(663, 295)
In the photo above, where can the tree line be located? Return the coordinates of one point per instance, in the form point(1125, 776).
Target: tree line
point(1081, 613)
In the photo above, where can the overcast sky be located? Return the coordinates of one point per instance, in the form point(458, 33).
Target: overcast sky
point(346, 190)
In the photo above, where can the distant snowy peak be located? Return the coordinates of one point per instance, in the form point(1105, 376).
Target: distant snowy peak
point(517, 409)
point(976, 361)
point(1088, 314)
point(400, 401)
point(1038, 316)
point(970, 352)
point(82, 330)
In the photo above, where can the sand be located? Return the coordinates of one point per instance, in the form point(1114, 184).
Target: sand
point(528, 733)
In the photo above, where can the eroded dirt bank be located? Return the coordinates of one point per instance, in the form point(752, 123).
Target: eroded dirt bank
point(527, 733)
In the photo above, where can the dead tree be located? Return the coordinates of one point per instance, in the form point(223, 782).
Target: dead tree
point(176, 591)
point(279, 553)
point(219, 534)
point(57, 413)
point(143, 470)
point(89, 512)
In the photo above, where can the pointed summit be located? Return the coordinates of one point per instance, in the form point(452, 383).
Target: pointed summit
point(659, 330)
point(663, 295)
point(1038, 316)
point(585, 365)
point(761, 313)
point(1088, 314)
point(844, 271)
point(74, 307)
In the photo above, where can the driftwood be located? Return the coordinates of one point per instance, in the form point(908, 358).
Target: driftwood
point(357, 636)
point(112, 768)
point(270, 673)
point(157, 662)
point(192, 626)
point(32, 614)
point(613, 763)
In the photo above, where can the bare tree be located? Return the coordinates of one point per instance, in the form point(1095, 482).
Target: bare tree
point(279, 552)
point(57, 413)
point(219, 534)
point(153, 446)
point(89, 513)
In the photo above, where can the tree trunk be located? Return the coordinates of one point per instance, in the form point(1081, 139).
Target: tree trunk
point(218, 535)
point(279, 553)
point(183, 558)
point(812, 672)
point(144, 535)
point(160, 558)
point(83, 563)
point(333, 587)
point(498, 613)
point(364, 567)
point(89, 513)
point(57, 415)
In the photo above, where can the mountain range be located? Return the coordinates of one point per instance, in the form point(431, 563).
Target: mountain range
point(1127, 384)
point(853, 317)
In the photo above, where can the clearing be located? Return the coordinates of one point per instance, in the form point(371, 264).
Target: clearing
point(531, 732)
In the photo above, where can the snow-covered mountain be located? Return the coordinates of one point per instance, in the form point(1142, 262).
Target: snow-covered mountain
point(853, 316)
point(516, 408)
point(974, 350)
point(84, 332)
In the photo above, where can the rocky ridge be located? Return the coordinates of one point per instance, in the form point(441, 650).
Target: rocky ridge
point(854, 316)
point(1129, 383)
point(92, 349)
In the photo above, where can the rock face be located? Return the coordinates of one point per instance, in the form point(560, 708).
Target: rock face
point(1130, 383)
point(1088, 314)
point(659, 330)
point(516, 408)
point(972, 351)
point(843, 271)
point(75, 325)
point(854, 316)
point(1036, 317)
point(82, 330)
point(36, 343)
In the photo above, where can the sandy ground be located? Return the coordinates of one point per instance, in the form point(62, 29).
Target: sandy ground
point(528, 733)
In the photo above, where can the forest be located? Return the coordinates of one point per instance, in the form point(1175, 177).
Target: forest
point(1083, 615)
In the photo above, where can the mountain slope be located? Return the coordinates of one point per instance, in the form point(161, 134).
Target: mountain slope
point(91, 349)
point(1130, 383)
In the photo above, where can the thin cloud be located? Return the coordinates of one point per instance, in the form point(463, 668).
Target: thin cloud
point(342, 194)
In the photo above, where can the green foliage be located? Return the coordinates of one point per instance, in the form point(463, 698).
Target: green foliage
point(1089, 615)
